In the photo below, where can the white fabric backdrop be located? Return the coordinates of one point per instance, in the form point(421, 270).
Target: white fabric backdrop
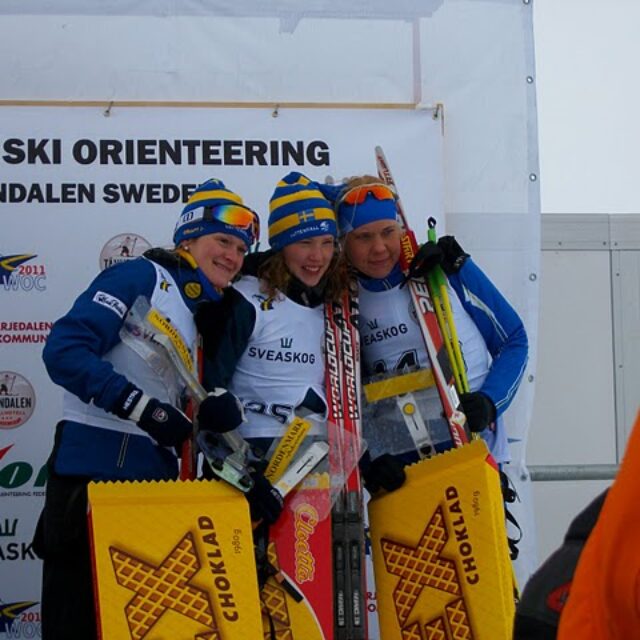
point(473, 56)
point(66, 243)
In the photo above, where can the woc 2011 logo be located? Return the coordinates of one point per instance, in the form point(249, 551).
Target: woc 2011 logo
point(121, 248)
point(19, 273)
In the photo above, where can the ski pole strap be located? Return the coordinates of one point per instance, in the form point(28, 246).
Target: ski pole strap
point(514, 552)
point(509, 496)
point(266, 569)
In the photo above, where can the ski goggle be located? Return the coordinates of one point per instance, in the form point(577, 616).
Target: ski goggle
point(236, 216)
point(357, 195)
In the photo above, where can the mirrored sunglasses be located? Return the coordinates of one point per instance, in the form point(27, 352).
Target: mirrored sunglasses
point(357, 195)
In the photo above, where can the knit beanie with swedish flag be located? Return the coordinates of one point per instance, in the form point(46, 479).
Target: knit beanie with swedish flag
point(299, 210)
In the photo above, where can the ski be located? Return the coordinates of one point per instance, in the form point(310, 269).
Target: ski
point(434, 342)
point(343, 392)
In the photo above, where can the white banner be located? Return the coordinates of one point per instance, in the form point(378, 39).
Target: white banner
point(81, 189)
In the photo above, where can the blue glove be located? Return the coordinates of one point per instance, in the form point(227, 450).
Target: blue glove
point(220, 411)
point(168, 426)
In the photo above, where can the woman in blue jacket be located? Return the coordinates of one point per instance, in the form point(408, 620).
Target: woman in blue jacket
point(493, 339)
point(120, 422)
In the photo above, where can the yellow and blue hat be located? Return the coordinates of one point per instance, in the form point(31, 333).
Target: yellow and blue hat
point(212, 208)
point(299, 210)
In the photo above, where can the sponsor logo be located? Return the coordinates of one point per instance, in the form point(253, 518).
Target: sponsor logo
point(350, 357)
point(8, 528)
point(14, 550)
point(166, 585)
point(407, 248)
point(17, 552)
point(16, 621)
point(24, 332)
point(305, 522)
point(372, 324)
point(111, 302)
point(421, 297)
point(17, 400)
point(424, 566)
point(122, 248)
point(322, 227)
point(271, 355)
point(333, 372)
point(164, 285)
point(17, 479)
point(286, 343)
point(160, 415)
point(17, 275)
point(167, 329)
point(193, 290)
point(384, 334)
point(134, 395)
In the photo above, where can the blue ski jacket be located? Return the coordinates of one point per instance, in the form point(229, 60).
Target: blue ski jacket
point(502, 331)
point(501, 334)
point(80, 355)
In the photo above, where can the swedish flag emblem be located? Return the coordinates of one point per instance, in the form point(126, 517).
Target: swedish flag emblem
point(305, 216)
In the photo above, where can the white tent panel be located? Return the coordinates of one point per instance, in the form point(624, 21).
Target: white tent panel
point(474, 57)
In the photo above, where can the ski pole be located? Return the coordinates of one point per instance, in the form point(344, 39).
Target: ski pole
point(438, 285)
point(440, 295)
point(188, 452)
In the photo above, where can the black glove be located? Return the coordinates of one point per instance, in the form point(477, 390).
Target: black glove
point(220, 412)
point(429, 256)
point(479, 409)
point(253, 262)
point(384, 472)
point(454, 255)
point(168, 426)
point(265, 501)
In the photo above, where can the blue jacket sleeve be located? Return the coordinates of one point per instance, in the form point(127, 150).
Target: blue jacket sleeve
point(74, 349)
point(501, 328)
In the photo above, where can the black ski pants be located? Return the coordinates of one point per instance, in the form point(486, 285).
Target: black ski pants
point(62, 541)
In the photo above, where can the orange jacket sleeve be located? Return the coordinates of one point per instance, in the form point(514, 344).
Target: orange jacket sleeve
point(604, 601)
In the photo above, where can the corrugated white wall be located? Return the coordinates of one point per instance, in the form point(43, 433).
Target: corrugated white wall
point(586, 55)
